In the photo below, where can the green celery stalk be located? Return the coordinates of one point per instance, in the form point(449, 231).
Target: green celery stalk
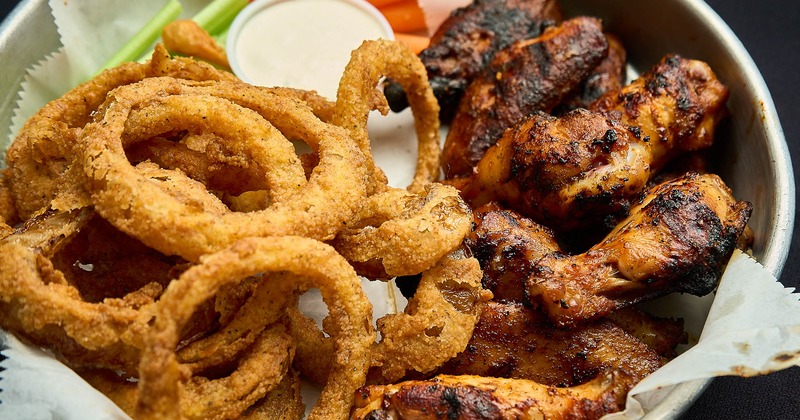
point(218, 15)
point(146, 36)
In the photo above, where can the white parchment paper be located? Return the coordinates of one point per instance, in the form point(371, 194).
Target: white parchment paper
point(752, 327)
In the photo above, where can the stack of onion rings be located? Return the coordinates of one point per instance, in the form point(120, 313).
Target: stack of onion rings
point(166, 226)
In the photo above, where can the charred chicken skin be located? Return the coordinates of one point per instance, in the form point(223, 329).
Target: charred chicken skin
point(468, 397)
point(469, 39)
point(677, 105)
point(587, 168)
point(507, 246)
point(608, 76)
point(528, 76)
point(677, 239)
point(514, 341)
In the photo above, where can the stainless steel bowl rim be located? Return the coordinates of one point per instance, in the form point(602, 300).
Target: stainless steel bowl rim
point(776, 253)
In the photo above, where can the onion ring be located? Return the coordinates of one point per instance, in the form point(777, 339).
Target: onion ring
point(437, 322)
point(284, 402)
point(41, 153)
point(318, 264)
point(318, 211)
point(8, 212)
point(398, 233)
point(358, 95)
point(38, 303)
point(261, 366)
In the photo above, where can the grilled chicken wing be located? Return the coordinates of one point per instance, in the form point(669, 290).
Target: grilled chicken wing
point(468, 40)
point(513, 341)
point(467, 397)
point(587, 168)
point(676, 105)
point(528, 76)
point(608, 76)
point(507, 246)
point(677, 239)
point(660, 334)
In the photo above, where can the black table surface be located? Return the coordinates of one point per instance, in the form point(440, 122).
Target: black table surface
point(770, 30)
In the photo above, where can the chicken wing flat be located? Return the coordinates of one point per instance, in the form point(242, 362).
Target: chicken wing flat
point(587, 168)
point(677, 239)
point(528, 76)
point(514, 341)
point(469, 39)
point(581, 169)
point(467, 397)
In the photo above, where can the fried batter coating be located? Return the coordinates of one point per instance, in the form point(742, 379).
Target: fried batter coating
point(186, 37)
point(8, 212)
point(316, 207)
point(437, 322)
point(39, 157)
point(315, 265)
point(398, 233)
point(358, 95)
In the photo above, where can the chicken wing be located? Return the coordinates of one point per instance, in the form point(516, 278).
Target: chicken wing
point(528, 76)
point(469, 39)
point(608, 76)
point(514, 341)
point(676, 105)
point(468, 397)
point(587, 168)
point(507, 246)
point(677, 239)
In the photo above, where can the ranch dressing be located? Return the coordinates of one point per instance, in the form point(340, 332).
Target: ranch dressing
point(303, 44)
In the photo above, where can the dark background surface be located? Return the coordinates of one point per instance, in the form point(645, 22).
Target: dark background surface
point(770, 30)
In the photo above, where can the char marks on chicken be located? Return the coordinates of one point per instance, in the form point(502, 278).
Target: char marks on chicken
point(677, 240)
point(468, 39)
point(526, 77)
point(469, 397)
point(514, 341)
point(587, 168)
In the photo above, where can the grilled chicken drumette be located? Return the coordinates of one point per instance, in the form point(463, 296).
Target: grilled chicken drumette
point(468, 39)
point(587, 168)
point(528, 76)
point(677, 239)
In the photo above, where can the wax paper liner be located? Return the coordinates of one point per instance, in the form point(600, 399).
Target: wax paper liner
point(753, 326)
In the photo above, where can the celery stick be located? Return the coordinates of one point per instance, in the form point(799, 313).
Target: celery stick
point(146, 36)
point(218, 15)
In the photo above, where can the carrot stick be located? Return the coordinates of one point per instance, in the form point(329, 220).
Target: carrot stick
point(417, 43)
point(405, 16)
point(382, 3)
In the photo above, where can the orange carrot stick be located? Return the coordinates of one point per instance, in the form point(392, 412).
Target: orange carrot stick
point(382, 3)
point(417, 43)
point(405, 16)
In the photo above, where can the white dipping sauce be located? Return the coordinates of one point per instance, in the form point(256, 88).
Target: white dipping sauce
point(303, 44)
